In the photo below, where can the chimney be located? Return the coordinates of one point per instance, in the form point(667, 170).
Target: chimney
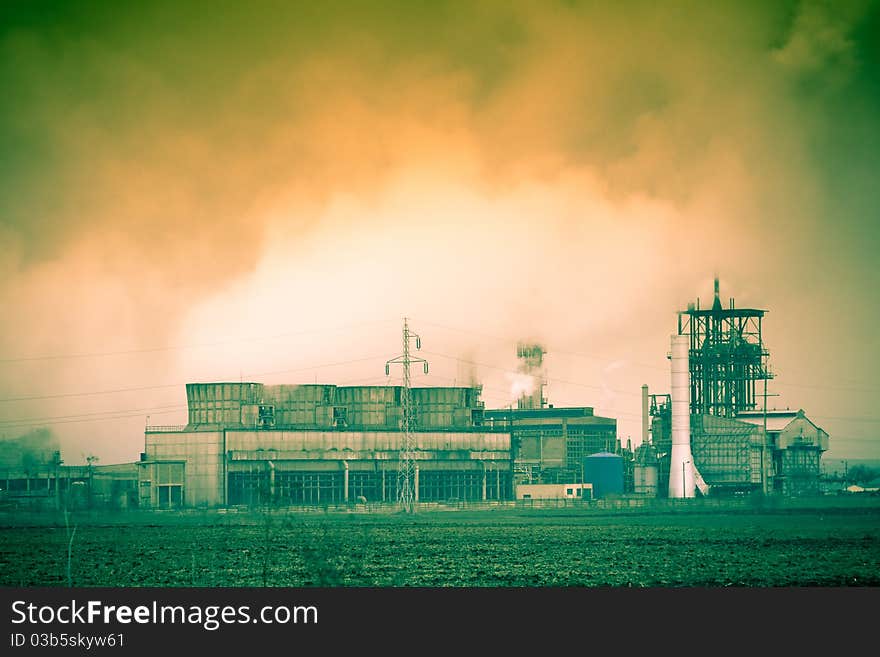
point(681, 468)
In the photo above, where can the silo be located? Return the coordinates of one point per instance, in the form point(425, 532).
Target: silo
point(646, 471)
point(605, 471)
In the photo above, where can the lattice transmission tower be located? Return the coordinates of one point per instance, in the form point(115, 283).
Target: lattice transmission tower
point(406, 493)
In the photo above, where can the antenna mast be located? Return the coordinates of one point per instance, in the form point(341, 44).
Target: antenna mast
point(406, 471)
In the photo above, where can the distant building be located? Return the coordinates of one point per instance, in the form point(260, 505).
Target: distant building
point(735, 455)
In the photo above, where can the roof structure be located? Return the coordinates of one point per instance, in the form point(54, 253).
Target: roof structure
point(777, 420)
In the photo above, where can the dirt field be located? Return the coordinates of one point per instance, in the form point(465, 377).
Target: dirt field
point(803, 547)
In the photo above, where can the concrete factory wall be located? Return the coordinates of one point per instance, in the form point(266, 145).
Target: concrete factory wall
point(202, 452)
point(310, 467)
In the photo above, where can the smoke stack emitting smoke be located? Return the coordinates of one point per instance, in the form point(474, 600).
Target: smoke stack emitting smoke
point(528, 386)
point(521, 385)
point(31, 451)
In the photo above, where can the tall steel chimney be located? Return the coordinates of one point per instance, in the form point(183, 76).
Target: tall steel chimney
point(681, 468)
point(645, 414)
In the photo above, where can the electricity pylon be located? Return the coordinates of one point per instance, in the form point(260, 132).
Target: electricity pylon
point(406, 493)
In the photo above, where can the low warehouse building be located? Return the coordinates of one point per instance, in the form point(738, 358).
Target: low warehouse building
point(247, 443)
point(554, 491)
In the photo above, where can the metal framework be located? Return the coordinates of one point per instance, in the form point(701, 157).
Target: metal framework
point(727, 357)
point(406, 472)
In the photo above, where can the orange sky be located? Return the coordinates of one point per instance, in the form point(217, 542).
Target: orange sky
point(265, 189)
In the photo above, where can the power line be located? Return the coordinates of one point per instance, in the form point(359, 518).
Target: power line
point(847, 419)
point(90, 419)
point(124, 352)
point(86, 416)
point(119, 413)
point(550, 348)
point(177, 385)
point(550, 379)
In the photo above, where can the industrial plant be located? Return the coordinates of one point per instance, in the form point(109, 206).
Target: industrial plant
point(713, 433)
point(249, 444)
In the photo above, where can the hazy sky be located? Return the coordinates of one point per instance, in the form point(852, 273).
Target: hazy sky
point(262, 190)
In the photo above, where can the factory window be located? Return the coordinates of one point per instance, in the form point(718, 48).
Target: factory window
point(170, 496)
point(267, 415)
point(580, 492)
point(569, 491)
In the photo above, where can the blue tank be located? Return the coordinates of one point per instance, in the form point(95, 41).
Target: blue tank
point(605, 471)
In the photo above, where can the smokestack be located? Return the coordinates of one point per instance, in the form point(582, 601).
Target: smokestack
point(531, 363)
point(681, 469)
point(716, 304)
point(645, 414)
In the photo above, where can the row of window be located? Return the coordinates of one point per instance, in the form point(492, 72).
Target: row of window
point(329, 487)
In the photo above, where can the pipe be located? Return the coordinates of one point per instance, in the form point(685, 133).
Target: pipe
point(416, 484)
point(271, 466)
point(681, 474)
point(645, 414)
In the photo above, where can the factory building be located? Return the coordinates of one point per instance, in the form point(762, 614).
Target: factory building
point(249, 443)
point(729, 450)
point(33, 475)
point(550, 444)
point(796, 445)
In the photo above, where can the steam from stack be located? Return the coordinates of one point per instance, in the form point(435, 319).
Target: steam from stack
point(529, 385)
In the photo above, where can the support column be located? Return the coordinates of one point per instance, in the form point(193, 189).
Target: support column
point(483, 463)
point(345, 482)
point(271, 481)
point(416, 484)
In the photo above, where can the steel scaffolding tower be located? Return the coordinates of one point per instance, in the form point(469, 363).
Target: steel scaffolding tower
point(406, 471)
point(727, 357)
